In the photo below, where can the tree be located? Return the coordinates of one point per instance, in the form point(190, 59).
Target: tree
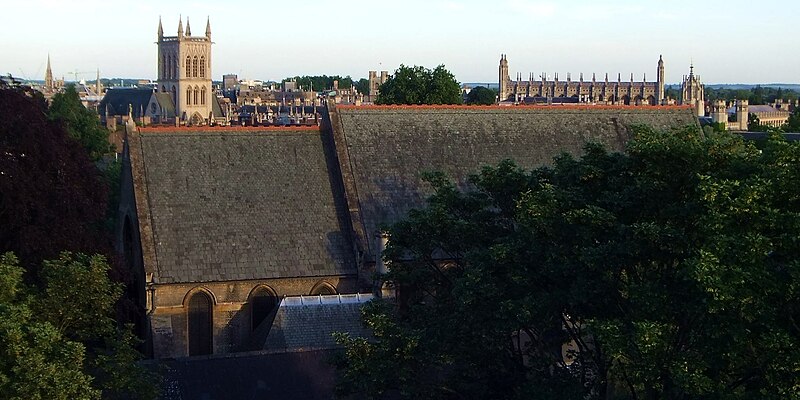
point(481, 95)
point(793, 123)
point(37, 361)
point(51, 194)
point(81, 123)
point(420, 85)
point(363, 86)
point(609, 276)
point(65, 331)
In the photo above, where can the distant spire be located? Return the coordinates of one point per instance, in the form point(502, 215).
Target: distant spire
point(188, 28)
point(48, 75)
point(180, 26)
point(208, 27)
point(160, 28)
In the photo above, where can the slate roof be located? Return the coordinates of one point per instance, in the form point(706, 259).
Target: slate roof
point(164, 100)
point(386, 148)
point(310, 326)
point(116, 100)
point(235, 204)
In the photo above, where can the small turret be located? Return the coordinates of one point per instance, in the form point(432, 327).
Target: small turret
point(180, 27)
point(160, 29)
point(208, 27)
point(188, 28)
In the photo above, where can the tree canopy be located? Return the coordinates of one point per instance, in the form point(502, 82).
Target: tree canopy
point(81, 123)
point(52, 197)
point(481, 95)
point(671, 271)
point(59, 340)
point(420, 85)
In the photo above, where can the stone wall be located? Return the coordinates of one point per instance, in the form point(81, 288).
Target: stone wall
point(232, 328)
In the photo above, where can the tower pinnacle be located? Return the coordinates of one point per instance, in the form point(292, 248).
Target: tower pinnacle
point(160, 29)
point(188, 28)
point(180, 26)
point(208, 27)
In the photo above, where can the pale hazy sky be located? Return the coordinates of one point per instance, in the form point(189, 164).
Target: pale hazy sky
point(735, 41)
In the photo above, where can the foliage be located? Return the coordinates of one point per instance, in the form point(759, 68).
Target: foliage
point(755, 95)
point(65, 331)
point(321, 82)
point(669, 272)
point(51, 195)
point(793, 123)
point(420, 85)
point(81, 123)
point(37, 361)
point(362, 85)
point(481, 95)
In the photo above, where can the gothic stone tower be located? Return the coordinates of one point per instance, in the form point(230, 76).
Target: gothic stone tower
point(184, 71)
point(692, 92)
point(660, 81)
point(503, 78)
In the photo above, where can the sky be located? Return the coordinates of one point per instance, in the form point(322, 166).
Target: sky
point(734, 41)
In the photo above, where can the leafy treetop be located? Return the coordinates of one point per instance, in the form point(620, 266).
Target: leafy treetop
point(668, 272)
point(419, 85)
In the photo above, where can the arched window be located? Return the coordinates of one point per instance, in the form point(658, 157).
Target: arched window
point(202, 66)
point(188, 96)
point(195, 65)
point(262, 303)
point(196, 95)
point(188, 67)
point(203, 95)
point(323, 288)
point(199, 321)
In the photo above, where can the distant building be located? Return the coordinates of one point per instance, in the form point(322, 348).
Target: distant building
point(733, 118)
point(693, 92)
point(767, 115)
point(540, 89)
point(375, 82)
point(184, 71)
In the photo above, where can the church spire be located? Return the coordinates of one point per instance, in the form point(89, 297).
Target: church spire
point(208, 27)
point(160, 29)
point(48, 76)
point(188, 28)
point(180, 26)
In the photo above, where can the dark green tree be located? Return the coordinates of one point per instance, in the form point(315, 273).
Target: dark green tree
point(420, 85)
point(363, 86)
point(481, 96)
point(81, 123)
point(610, 276)
point(793, 123)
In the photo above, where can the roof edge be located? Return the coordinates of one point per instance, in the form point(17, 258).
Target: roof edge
point(499, 107)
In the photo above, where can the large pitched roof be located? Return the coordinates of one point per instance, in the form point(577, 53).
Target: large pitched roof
point(384, 150)
point(117, 100)
point(235, 204)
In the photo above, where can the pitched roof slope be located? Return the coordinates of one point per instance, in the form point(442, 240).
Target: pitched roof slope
point(388, 147)
point(310, 326)
point(239, 204)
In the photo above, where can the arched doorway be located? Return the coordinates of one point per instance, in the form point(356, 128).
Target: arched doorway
point(199, 321)
point(262, 303)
